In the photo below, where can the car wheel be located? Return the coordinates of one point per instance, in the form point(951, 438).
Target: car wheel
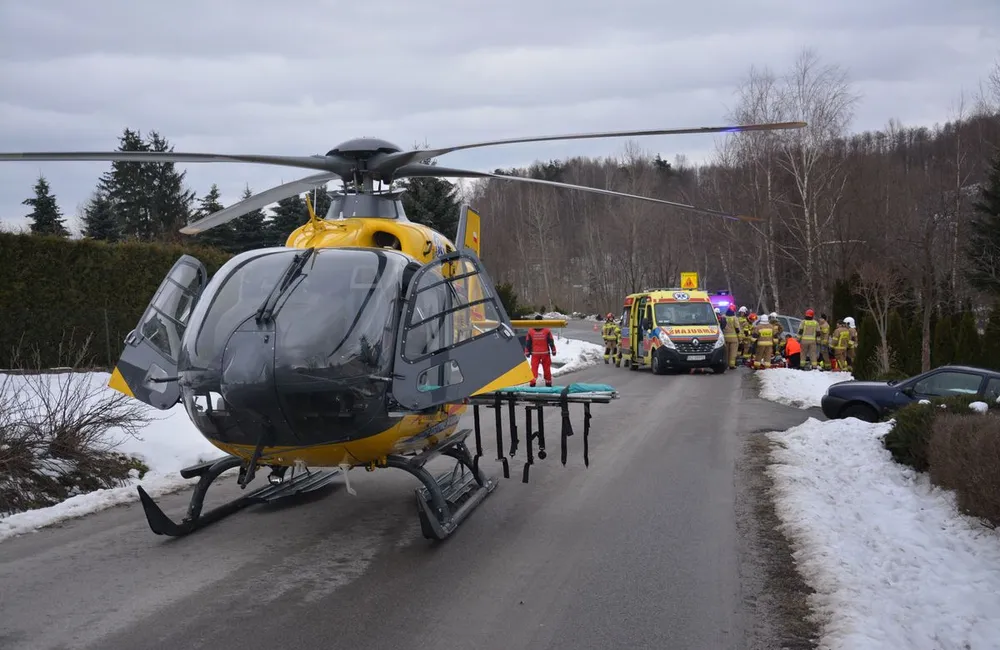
point(862, 412)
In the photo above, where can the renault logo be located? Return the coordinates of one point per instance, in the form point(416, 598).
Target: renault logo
point(695, 341)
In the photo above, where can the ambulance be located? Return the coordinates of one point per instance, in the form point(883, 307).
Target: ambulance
point(671, 329)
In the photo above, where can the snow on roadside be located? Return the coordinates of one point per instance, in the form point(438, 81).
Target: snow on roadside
point(574, 354)
point(892, 561)
point(799, 388)
point(167, 444)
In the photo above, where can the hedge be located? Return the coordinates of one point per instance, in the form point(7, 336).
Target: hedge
point(56, 293)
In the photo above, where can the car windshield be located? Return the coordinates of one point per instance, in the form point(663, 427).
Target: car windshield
point(685, 313)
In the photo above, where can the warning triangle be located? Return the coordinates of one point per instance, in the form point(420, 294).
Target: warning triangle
point(689, 283)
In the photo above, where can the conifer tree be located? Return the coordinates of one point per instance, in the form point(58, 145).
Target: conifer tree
point(432, 202)
point(46, 217)
point(289, 214)
point(249, 231)
point(943, 343)
point(983, 244)
point(221, 236)
point(968, 346)
point(99, 221)
point(991, 340)
point(170, 201)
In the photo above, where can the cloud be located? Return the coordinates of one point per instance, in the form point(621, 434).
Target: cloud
point(300, 76)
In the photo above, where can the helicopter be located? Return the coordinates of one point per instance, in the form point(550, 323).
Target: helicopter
point(360, 343)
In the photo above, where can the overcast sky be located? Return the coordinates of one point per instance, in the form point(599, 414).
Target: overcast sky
point(299, 76)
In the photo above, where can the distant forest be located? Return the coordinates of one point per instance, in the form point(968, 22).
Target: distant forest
point(831, 204)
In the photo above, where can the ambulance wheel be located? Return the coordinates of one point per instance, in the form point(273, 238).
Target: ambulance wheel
point(658, 366)
point(719, 369)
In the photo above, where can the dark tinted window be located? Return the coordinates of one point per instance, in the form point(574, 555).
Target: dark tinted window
point(949, 382)
point(993, 391)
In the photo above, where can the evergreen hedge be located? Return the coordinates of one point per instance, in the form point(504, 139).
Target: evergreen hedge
point(56, 293)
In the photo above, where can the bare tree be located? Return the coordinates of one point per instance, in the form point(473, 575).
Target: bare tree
point(820, 95)
point(881, 288)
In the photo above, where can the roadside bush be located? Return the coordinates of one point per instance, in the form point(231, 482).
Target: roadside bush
point(61, 292)
point(964, 455)
point(911, 431)
point(58, 432)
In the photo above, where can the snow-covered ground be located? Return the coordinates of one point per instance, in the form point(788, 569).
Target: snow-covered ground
point(573, 354)
point(167, 444)
point(799, 388)
point(170, 442)
point(893, 563)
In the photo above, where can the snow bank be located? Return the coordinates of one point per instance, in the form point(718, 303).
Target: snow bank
point(166, 445)
point(554, 315)
point(573, 354)
point(799, 388)
point(893, 563)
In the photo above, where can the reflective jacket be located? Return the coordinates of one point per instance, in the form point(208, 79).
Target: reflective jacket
point(539, 341)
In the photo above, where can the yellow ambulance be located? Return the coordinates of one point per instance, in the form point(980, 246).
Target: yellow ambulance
point(671, 329)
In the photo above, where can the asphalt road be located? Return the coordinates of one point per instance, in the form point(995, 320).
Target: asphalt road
point(640, 550)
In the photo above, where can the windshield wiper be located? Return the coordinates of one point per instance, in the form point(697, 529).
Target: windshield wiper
point(266, 310)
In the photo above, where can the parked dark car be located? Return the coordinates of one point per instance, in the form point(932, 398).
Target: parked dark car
point(871, 400)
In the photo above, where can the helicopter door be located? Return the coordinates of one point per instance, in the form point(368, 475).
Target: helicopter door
point(454, 338)
point(147, 369)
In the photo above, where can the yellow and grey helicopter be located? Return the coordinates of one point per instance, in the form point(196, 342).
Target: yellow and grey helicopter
point(360, 343)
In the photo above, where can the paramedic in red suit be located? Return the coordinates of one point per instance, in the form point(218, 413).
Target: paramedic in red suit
point(540, 345)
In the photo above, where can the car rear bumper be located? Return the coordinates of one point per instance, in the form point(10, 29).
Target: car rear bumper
point(831, 406)
point(675, 359)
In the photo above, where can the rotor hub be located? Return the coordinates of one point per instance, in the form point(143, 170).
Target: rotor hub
point(363, 148)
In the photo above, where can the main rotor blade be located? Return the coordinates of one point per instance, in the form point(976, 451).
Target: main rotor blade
point(338, 166)
point(257, 201)
point(418, 169)
point(394, 161)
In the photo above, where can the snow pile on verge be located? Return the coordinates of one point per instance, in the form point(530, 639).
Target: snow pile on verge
point(799, 388)
point(572, 355)
point(892, 561)
point(554, 315)
point(166, 445)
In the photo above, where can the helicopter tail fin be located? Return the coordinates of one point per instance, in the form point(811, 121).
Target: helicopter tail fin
point(468, 229)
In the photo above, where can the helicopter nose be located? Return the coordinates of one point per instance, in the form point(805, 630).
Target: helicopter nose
point(247, 382)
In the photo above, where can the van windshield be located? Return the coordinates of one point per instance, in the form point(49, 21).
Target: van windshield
point(684, 313)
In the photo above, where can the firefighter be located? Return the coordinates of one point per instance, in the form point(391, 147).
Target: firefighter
point(748, 338)
point(763, 335)
point(808, 330)
point(778, 329)
point(618, 342)
point(838, 345)
point(741, 316)
point(732, 332)
point(608, 334)
point(540, 346)
point(823, 343)
point(852, 344)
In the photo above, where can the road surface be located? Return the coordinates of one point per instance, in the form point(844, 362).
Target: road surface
point(640, 550)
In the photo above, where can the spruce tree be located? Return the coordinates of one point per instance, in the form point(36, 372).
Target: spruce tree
point(46, 217)
point(99, 221)
point(896, 338)
point(125, 187)
point(432, 202)
point(289, 214)
point(991, 340)
point(170, 201)
point(249, 231)
point(866, 359)
point(968, 346)
point(983, 242)
point(222, 236)
point(914, 339)
point(943, 343)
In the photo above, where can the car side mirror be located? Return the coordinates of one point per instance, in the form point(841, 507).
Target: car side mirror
point(907, 390)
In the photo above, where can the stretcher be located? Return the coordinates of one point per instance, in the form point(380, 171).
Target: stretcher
point(534, 399)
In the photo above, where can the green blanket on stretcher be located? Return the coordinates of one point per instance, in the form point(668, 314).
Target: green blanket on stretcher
point(573, 388)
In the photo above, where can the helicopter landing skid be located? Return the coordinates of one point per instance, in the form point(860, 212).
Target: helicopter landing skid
point(207, 473)
point(446, 500)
